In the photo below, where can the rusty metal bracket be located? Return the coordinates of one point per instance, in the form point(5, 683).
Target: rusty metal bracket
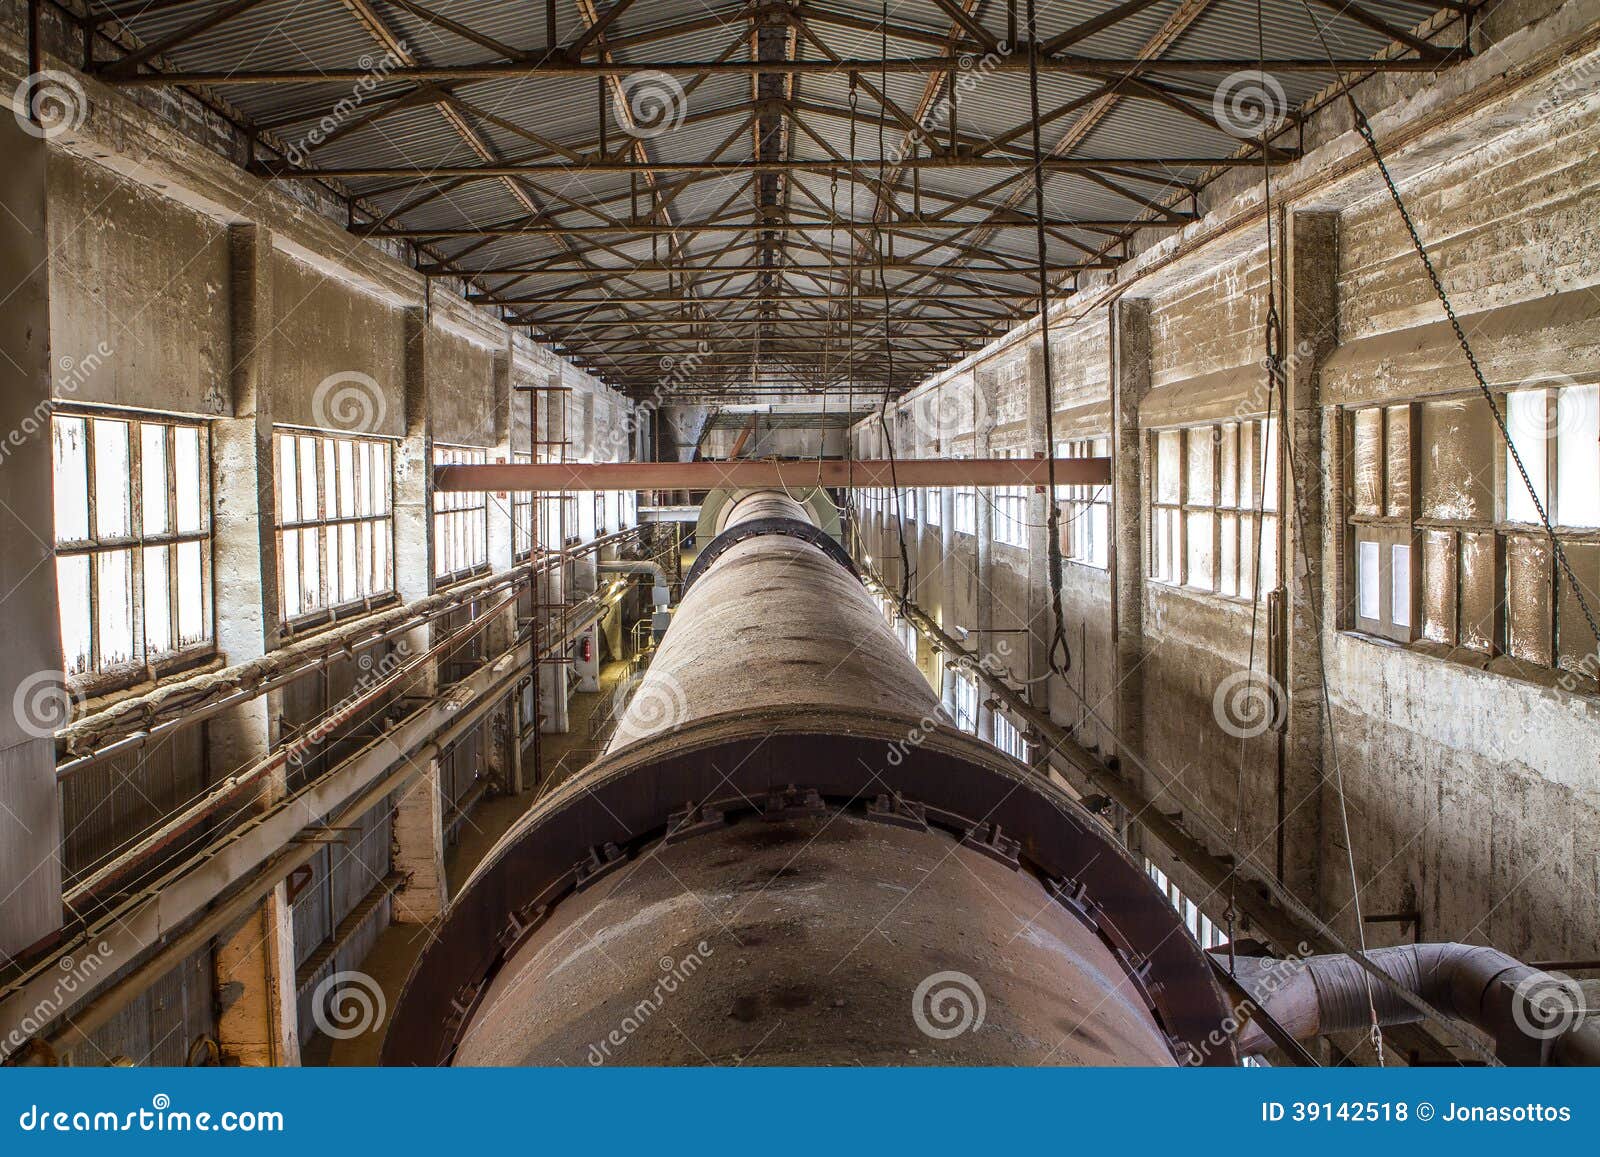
point(693, 820)
point(602, 861)
point(988, 839)
point(793, 803)
point(895, 809)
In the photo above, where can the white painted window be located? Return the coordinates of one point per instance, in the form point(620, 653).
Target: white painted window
point(521, 515)
point(963, 702)
point(1085, 509)
point(1011, 511)
point(907, 633)
point(133, 542)
point(460, 519)
point(1009, 739)
point(964, 511)
point(335, 521)
point(933, 506)
point(1213, 507)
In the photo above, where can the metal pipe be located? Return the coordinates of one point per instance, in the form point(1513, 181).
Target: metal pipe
point(1535, 1017)
point(781, 787)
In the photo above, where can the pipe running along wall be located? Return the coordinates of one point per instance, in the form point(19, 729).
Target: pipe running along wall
point(787, 854)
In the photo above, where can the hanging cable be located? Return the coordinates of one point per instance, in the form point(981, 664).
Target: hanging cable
point(886, 202)
point(1059, 656)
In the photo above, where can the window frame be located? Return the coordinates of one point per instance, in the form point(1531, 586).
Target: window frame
point(102, 675)
point(1256, 466)
point(1084, 507)
point(453, 521)
point(328, 608)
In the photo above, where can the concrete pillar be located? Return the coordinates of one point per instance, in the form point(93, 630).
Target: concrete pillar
point(1310, 315)
point(32, 688)
point(255, 960)
point(983, 446)
point(419, 812)
point(1130, 380)
point(419, 849)
point(256, 1019)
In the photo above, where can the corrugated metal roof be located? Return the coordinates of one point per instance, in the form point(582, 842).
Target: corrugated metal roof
point(553, 122)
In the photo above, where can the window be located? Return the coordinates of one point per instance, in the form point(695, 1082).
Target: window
point(335, 521)
point(964, 514)
point(1446, 544)
point(1200, 925)
point(933, 506)
point(133, 542)
point(1085, 509)
point(1011, 512)
point(963, 703)
point(1009, 740)
point(1213, 505)
point(460, 519)
point(908, 504)
point(521, 516)
point(906, 631)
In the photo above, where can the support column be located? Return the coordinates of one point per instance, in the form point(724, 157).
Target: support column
point(419, 812)
point(983, 442)
point(1129, 319)
point(1310, 290)
point(33, 687)
point(254, 964)
point(1040, 620)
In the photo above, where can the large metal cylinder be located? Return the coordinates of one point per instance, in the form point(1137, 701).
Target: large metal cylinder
point(787, 854)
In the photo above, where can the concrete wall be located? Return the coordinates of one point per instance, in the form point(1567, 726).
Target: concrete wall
point(1470, 789)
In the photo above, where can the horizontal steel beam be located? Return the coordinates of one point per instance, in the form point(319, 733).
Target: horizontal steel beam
point(894, 225)
point(274, 171)
point(559, 64)
point(759, 475)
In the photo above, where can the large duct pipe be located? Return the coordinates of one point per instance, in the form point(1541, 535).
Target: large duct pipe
point(788, 854)
point(1534, 1017)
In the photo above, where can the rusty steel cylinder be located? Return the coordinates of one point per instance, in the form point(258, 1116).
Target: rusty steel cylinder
point(788, 854)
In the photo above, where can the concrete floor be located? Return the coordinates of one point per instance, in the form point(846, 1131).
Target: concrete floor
point(399, 946)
